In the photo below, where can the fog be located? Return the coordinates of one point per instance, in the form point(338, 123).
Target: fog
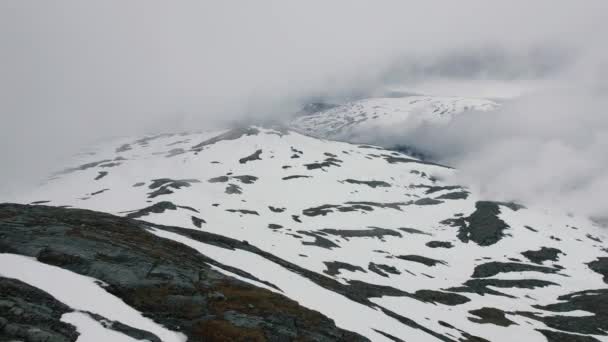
point(73, 72)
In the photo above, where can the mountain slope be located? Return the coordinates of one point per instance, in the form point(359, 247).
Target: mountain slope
point(371, 238)
point(169, 283)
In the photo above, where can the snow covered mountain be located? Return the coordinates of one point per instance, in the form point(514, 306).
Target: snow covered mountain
point(373, 239)
point(368, 120)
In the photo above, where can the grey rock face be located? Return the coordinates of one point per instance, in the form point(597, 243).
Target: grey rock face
point(29, 314)
point(169, 282)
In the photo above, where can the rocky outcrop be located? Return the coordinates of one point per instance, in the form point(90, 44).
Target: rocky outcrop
point(168, 282)
point(29, 314)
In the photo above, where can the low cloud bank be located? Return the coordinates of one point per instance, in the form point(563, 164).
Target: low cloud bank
point(548, 147)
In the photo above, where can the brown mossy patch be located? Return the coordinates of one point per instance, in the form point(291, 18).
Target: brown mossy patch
point(224, 331)
point(259, 301)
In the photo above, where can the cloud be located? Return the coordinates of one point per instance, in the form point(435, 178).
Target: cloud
point(547, 147)
point(72, 71)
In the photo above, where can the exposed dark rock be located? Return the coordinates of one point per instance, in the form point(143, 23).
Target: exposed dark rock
point(172, 183)
point(296, 218)
point(125, 329)
point(39, 202)
point(445, 298)
point(367, 290)
point(295, 176)
point(421, 260)
point(328, 162)
point(439, 244)
point(82, 167)
point(101, 174)
point(382, 269)
point(220, 179)
point(320, 165)
point(254, 156)
point(156, 208)
point(233, 189)
point(542, 255)
point(427, 201)
point(493, 268)
point(490, 316)
point(466, 337)
point(163, 186)
point(333, 160)
point(531, 229)
point(413, 231)
point(370, 183)
point(334, 267)
point(351, 233)
point(170, 283)
point(30, 314)
point(320, 210)
point(480, 286)
point(274, 226)
point(351, 206)
point(99, 192)
point(411, 323)
point(511, 205)
point(159, 192)
point(430, 189)
point(138, 184)
point(243, 211)
point(175, 152)
point(390, 205)
point(246, 179)
point(123, 148)
point(276, 210)
point(557, 336)
point(109, 165)
point(600, 265)
point(591, 301)
point(320, 241)
point(198, 222)
point(371, 147)
point(593, 238)
point(230, 135)
point(389, 336)
point(393, 160)
point(454, 195)
point(483, 226)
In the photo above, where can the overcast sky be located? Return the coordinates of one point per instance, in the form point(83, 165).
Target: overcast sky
point(75, 71)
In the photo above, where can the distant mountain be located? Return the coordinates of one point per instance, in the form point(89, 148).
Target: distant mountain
point(371, 120)
point(373, 239)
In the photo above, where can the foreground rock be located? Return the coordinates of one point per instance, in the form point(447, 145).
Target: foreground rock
point(168, 282)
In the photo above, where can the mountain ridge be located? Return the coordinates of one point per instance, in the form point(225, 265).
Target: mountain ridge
point(343, 228)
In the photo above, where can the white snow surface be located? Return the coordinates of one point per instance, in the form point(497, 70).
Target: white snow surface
point(133, 164)
point(369, 120)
